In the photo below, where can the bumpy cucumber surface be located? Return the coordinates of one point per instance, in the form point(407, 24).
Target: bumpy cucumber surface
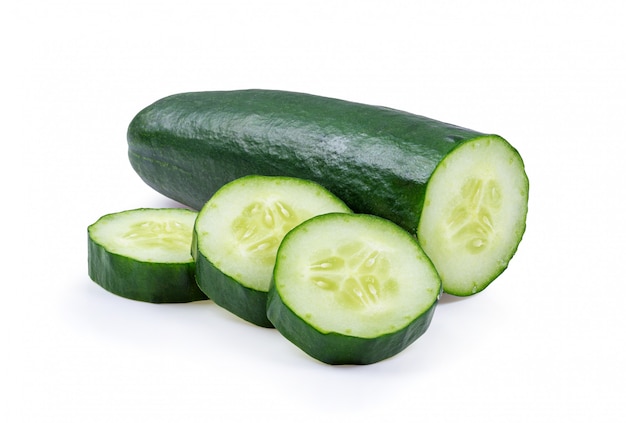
point(378, 160)
point(352, 289)
point(238, 232)
point(144, 255)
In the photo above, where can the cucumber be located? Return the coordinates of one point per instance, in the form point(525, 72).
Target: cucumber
point(145, 255)
point(352, 289)
point(474, 214)
point(378, 160)
point(237, 234)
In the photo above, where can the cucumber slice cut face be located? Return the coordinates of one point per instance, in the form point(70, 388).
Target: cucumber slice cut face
point(145, 255)
point(238, 232)
point(474, 214)
point(352, 289)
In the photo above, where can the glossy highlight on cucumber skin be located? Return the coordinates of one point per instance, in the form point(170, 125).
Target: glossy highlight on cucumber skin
point(376, 159)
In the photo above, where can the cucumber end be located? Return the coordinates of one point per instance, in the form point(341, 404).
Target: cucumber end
point(474, 213)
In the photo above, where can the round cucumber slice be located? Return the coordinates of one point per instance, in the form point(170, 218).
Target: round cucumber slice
point(144, 255)
point(238, 232)
point(352, 289)
point(474, 213)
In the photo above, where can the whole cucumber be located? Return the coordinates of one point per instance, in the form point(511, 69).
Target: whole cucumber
point(378, 160)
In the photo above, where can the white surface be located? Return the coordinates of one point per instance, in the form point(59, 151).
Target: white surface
point(543, 343)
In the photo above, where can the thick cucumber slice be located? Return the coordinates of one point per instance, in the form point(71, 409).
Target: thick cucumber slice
point(474, 213)
point(352, 289)
point(144, 255)
point(238, 232)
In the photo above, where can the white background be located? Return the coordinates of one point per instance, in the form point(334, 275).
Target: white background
point(544, 343)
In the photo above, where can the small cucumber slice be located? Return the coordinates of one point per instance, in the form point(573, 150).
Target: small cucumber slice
point(352, 289)
point(144, 255)
point(474, 214)
point(238, 232)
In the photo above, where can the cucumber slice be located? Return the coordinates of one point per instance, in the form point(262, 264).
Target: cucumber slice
point(238, 232)
point(474, 213)
point(352, 289)
point(144, 255)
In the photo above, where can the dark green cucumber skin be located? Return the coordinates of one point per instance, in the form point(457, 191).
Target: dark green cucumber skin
point(244, 302)
point(142, 281)
point(378, 160)
point(335, 348)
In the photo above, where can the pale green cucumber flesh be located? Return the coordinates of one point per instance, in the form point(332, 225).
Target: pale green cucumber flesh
point(352, 288)
point(474, 213)
point(144, 254)
point(238, 232)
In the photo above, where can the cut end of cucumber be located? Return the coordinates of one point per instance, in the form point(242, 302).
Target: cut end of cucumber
point(240, 228)
point(355, 275)
point(352, 289)
point(149, 235)
point(474, 213)
point(145, 255)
